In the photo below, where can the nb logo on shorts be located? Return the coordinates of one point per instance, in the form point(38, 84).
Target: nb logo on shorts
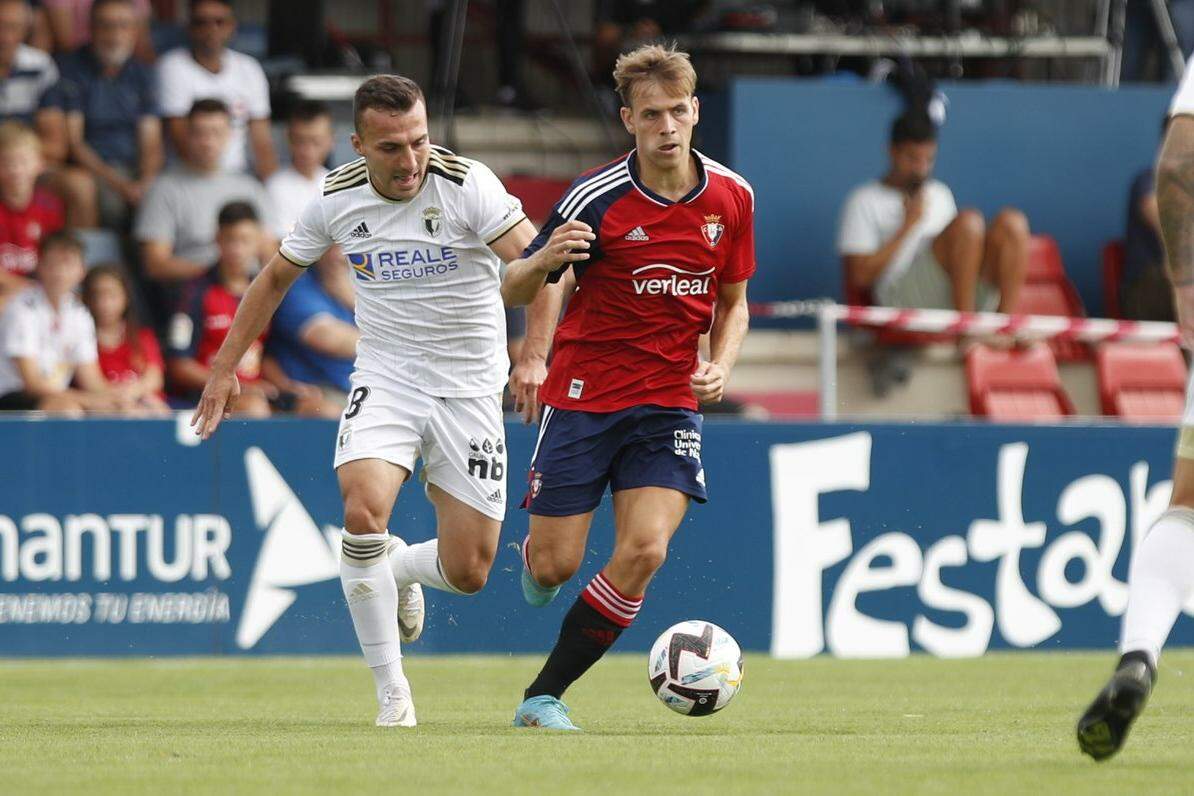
point(484, 465)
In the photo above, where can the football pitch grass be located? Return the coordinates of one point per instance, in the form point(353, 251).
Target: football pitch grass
point(999, 724)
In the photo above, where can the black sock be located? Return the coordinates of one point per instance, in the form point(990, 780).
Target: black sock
point(584, 638)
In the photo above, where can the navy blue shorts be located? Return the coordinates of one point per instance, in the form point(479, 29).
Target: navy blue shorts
point(579, 453)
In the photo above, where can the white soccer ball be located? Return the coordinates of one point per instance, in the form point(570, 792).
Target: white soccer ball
point(695, 668)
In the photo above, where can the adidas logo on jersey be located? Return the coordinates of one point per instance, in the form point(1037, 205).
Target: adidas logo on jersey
point(361, 231)
point(637, 234)
point(496, 497)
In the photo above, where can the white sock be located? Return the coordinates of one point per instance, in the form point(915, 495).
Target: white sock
point(419, 563)
point(1160, 582)
point(373, 602)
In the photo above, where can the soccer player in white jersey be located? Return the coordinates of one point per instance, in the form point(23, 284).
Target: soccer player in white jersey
point(1161, 579)
point(425, 232)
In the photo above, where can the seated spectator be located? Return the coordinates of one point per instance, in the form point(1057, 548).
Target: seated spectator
point(206, 312)
point(28, 212)
point(71, 25)
point(309, 132)
point(176, 222)
point(903, 239)
point(112, 120)
point(313, 336)
point(47, 339)
point(208, 69)
point(129, 356)
point(1145, 292)
point(28, 74)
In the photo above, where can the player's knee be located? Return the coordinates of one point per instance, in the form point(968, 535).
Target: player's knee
point(552, 568)
point(471, 580)
point(645, 557)
point(360, 516)
point(471, 574)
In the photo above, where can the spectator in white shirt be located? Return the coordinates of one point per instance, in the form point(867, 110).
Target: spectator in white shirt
point(47, 341)
point(903, 239)
point(209, 70)
point(309, 132)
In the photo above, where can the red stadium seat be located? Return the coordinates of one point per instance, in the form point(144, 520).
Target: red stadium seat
point(537, 194)
point(1113, 271)
point(1016, 385)
point(782, 404)
point(1048, 291)
point(1142, 382)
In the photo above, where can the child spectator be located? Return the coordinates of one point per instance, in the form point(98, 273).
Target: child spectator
point(28, 212)
point(205, 315)
point(112, 122)
point(208, 69)
point(129, 355)
point(47, 339)
point(313, 337)
point(309, 132)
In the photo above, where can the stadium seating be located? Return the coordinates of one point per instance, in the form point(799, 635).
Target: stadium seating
point(1113, 271)
point(781, 404)
point(1048, 291)
point(1142, 382)
point(1015, 385)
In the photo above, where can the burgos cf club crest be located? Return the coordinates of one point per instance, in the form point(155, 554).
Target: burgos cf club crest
point(712, 229)
point(432, 220)
point(362, 265)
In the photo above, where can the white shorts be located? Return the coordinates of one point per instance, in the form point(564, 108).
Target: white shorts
point(925, 285)
point(462, 441)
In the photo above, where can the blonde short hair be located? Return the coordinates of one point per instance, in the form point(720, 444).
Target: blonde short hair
point(15, 134)
point(654, 63)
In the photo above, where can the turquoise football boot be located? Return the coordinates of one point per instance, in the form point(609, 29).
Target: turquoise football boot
point(535, 594)
point(532, 592)
point(544, 712)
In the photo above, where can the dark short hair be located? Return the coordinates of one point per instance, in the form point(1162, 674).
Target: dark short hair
point(236, 212)
point(61, 239)
point(309, 110)
point(208, 105)
point(913, 127)
point(385, 92)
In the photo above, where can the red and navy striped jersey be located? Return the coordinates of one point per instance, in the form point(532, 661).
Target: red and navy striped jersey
point(630, 334)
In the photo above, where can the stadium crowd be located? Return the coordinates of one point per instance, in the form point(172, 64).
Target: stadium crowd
point(138, 196)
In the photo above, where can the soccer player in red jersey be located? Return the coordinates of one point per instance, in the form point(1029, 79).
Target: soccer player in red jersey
point(656, 241)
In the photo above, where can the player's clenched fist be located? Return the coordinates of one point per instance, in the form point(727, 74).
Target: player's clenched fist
point(709, 382)
point(569, 243)
point(219, 396)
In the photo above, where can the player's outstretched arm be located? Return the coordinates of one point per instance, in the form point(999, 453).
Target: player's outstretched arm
point(1175, 205)
point(569, 243)
point(725, 340)
point(256, 308)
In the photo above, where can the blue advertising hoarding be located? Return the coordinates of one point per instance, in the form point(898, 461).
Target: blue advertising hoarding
point(124, 537)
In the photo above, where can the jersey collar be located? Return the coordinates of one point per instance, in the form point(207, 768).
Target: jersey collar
point(702, 180)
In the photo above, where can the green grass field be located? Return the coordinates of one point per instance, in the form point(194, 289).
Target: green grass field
point(999, 724)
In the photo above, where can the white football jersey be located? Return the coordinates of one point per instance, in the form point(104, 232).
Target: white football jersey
point(429, 306)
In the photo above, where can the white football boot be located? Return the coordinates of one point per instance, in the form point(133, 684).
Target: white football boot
point(411, 608)
point(397, 707)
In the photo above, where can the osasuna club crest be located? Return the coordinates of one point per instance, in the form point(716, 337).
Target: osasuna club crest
point(431, 220)
point(712, 229)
